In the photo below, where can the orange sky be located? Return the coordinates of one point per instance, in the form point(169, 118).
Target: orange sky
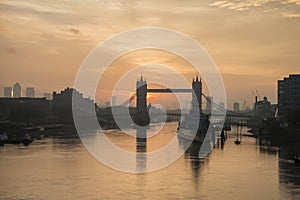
point(253, 42)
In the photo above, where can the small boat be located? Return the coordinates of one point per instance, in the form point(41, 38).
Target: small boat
point(3, 138)
point(297, 159)
point(27, 140)
point(238, 135)
point(237, 142)
point(227, 127)
point(40, 137)
point(193, 128)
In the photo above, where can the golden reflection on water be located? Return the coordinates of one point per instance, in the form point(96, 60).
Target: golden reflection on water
point(158, 137)
point(63, 169)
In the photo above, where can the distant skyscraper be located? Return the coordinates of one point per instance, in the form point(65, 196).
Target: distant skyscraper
point(48, 96)
point(236, 107)
point(113, 100)
point(107, 104)
point(7, 92)
point(17, 90)
point(30, 92)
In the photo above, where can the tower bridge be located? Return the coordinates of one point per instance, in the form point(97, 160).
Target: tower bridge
point(142, 90)
point(141, 114)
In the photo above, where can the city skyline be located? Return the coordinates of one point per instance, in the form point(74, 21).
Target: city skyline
point(150, 99)
point(254, 43)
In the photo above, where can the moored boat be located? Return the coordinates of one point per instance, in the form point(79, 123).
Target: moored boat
point(297, 159)
point(193, 128)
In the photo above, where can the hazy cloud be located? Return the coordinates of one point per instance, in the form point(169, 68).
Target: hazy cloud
point(251, 37)
point(74, 30)
point(288, 8)
point(10, 50)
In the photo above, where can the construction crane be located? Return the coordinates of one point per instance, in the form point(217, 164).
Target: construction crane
point(253, 93)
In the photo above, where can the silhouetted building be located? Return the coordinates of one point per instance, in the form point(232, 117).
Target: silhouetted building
point(62, 104)
point(289, 99)
point(28, 110)
point(264, 108)
point(7, 92)
point(236, 107)
point(30, 92)
point(17, 91)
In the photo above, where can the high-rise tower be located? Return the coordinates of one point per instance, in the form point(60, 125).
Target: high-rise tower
point(7, 92)
point(30, 92)
point(17, 90)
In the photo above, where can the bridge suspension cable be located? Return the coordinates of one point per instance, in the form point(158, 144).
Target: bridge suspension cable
point(214, 104)
point(230, 112)
point(128, 101)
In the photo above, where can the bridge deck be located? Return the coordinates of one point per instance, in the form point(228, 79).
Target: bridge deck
point(168, 90)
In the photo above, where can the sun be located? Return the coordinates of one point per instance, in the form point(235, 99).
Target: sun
point(149, 96)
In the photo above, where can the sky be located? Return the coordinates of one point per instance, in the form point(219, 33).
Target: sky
point(254, 43)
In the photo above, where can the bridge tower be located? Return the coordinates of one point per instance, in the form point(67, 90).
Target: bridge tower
point(197, 94)
point(142, 117)
point(141, 94)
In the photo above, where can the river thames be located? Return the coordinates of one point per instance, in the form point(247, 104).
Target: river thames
point(55, 168)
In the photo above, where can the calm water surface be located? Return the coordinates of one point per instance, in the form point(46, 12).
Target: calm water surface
point(63, 169)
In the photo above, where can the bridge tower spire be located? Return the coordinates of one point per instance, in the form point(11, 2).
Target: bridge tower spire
point(197, 94)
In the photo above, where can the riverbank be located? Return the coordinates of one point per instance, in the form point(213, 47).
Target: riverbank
point(287, 135)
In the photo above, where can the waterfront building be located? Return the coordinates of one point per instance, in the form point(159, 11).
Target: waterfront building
point(264, 109)
point(62, 104)
point(289, 99)
point(7, 92)
point(23, 109)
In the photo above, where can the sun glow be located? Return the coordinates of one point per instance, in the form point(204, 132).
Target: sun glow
point(149, 96)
